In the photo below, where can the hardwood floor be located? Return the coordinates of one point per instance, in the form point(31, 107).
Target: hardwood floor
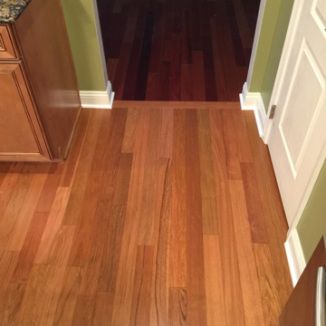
point(159, 217)
point(178, 49)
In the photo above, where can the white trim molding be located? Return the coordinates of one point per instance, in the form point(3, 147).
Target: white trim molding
point(295, 255)
point(253, 101)
point(97, 99)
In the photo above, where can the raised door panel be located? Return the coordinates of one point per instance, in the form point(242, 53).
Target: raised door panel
point(302, 110)
point(19, 131)
point(319, 11)
point(7, 49)
point(298, 138)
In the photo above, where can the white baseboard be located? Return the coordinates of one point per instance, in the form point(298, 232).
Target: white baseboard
point(97, 99)
point(253, 101)
point(295, 255)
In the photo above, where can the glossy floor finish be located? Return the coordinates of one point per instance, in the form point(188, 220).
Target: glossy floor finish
point(159, 217)
point(178, 49)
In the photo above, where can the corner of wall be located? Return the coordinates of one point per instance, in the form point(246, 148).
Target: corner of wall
point(97, 99)
point(253, 101)
point(256, 41)
point(295, 255)
point(86, 43)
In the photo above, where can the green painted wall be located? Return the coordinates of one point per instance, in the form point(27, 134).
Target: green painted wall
point(273, 31)
point(312, 224)
point(86, 51)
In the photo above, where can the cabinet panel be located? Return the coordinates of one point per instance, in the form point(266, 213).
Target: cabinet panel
point(47, 58)
point(300, 309)
point(7, 49)
point(18, 124)
point(39, 96)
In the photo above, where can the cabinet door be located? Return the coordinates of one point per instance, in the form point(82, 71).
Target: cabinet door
point(42, 36)
point(300, 309)
point(7, 49)
point(20, 134)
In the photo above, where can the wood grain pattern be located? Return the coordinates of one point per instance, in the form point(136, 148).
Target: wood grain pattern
point(301, 307)
point(20, 131)
point(181, 50)
point(7, 46)
point(150, 221)
point(216, 312)
point(50, 72)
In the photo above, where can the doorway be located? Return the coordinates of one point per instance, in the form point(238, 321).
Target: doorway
point(178, 50)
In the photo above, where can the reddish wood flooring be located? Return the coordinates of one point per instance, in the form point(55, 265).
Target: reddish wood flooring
point(178, 49)
point(159, 217)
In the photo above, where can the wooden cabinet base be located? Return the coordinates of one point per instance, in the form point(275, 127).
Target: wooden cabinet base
point(20, 135)
point(300, 309)
point(39, 98)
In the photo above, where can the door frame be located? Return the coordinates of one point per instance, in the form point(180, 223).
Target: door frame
point(290, 37)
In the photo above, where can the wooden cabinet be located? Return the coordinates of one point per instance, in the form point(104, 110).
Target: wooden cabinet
point(300, 309)
point(7, 50)
point(39, 98)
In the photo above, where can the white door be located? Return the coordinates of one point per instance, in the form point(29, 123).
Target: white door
point(298, 138)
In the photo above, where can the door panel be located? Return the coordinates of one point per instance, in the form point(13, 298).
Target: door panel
point(296, 128)
point(298, 139)
point(7, 49)
point(319, 12)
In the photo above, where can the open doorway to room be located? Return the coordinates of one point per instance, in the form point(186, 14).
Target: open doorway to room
point(178, 50)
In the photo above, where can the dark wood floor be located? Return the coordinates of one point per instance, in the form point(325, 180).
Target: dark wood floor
point(159, 217)
point(178, 49)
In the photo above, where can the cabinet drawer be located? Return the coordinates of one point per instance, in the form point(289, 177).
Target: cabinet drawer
point(20, 132)
point(7, 48)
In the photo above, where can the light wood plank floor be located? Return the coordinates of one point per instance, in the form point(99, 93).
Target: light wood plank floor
point(158, 217)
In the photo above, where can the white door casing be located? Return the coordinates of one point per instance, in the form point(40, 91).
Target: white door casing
point(297, 141)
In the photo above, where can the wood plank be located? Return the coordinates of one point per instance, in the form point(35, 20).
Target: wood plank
point(131, 126)
point(198, 76)
point(214, 281)
point(83, 168)
point(193, 105)
point(207, 176)
point(274, 216)
point(68, 298)
point(194, 224)
point(16, 240)
point(254, 204)
point(231, 148)
point(8, 262)
point(45, 283)
point(177, 232)
point(141, 302)
point(229, 260)
point(103, 304)
point(159, 307)
point(132, 233)
point(269, 288)
point(253, 310)
point(178, 307)
point(53, 226)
